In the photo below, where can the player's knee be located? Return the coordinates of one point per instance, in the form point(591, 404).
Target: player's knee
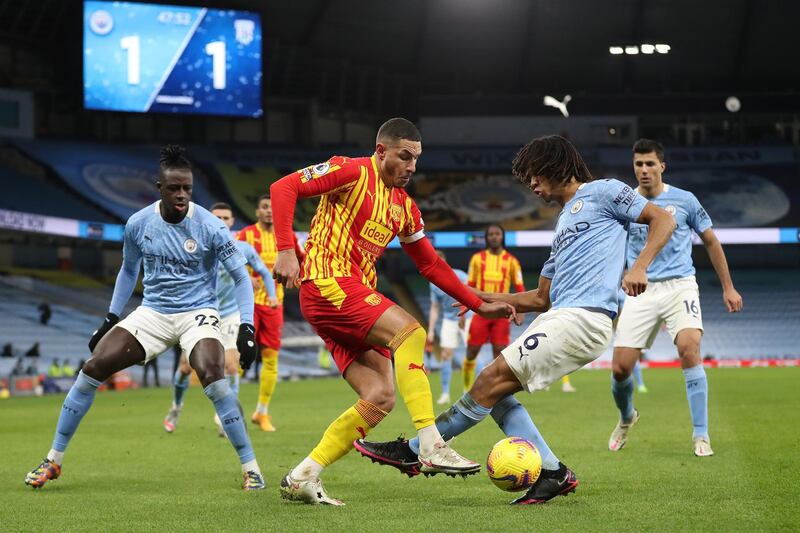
point(381, 397)
point(94, 369)
point(621, 370)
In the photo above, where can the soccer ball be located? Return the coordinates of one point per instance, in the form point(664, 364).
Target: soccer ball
point(514, 464)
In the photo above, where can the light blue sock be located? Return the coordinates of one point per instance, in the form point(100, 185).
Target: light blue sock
point(76, 404)
point(637, 374)
point(234, 380)
point(230, 413)
point(515, 421)
point(446, 375)
point(180, 383)
point(623, 397)
point(697, 394)
point(463, 414)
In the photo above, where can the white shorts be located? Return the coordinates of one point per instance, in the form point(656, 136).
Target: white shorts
point(157, 332)
point(674, 301)
point(450, 334)
point(557, 343)
point(230, 330)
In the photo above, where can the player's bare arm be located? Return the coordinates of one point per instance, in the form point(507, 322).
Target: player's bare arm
point(537, 299)
point(660, 227)
point(432, 319)
point(731, 297)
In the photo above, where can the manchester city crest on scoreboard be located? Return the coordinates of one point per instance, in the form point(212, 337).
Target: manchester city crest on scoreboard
point(101, 22)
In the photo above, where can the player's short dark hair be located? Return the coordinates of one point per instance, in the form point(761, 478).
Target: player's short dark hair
point(645, 146)
point(498, 226)
point(552, 157)
point(267, 196)
point(173, 156)
point(221, 205)
point(398, 128)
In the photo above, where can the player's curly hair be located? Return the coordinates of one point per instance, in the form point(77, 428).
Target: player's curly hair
point(552, 157)
point(173, 156)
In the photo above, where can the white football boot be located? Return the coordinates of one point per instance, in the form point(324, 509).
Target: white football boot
point(308, 491)
point(620, 434)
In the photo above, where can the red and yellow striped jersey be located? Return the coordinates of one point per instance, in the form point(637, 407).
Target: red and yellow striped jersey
point(490, 272)
point(266, 246)
point(357, 217)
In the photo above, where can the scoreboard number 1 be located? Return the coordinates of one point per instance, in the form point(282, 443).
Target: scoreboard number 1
point(216, 49)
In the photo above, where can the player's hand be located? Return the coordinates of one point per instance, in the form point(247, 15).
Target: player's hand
point(431, 338)
point(246, 344)
point(273, 302)
point(498, 310)
point(287, 269)
point(108, 323)
point(733, 300)
point(634, 282)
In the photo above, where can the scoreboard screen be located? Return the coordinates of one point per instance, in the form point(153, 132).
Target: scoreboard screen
point(171, 59)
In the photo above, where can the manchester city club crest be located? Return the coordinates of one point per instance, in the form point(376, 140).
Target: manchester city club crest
point(671, 210)
point(576, 207)
point(190, 245)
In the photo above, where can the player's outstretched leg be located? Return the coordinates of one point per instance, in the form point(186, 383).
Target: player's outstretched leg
point(494, 383)
point(180, 384)
point(76, 404)
point(445, 375)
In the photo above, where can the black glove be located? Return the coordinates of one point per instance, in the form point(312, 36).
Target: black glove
point(108, 323)
point(246, 344)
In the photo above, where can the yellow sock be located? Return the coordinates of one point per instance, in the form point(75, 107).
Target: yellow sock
point(565, 380)
point(412, 381)
point(353, 424)
point(269, 375)
point(468, 371)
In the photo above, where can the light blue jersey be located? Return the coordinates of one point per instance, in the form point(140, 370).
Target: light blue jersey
point(445, 300)
point(588, 253)
point(675, 259)
point(180, 261)
point(226, 294)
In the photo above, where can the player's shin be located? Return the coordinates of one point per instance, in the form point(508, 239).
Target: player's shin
point(412, 381)
point(180, 383)
point(623, 397)
point(76, 404)
point(338, 439)
point(697, 394)
point(464, 414)
point(515, 421)
point(269, 378)
point(230, 413)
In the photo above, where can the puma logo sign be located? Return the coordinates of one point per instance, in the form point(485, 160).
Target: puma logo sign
point(414, 366)
point(361, 432)
point(549, 101)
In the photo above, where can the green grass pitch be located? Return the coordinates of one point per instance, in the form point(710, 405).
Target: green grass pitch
point(123, 472)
